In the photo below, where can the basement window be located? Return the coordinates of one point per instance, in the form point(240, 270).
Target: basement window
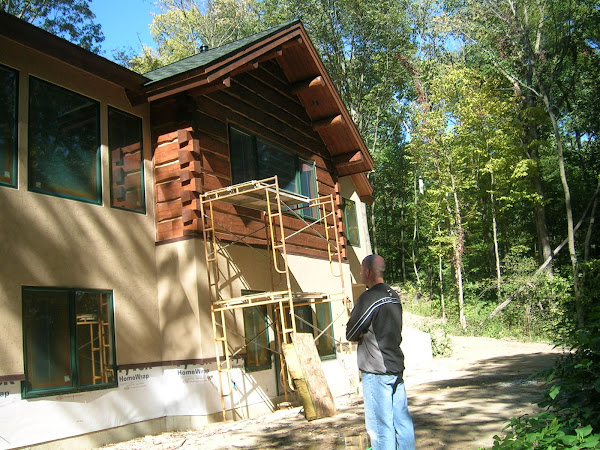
point(64, 143)
point(126, 161)
point(69, 341)
point(351, 222)
point(254, 158)
point(8, 126)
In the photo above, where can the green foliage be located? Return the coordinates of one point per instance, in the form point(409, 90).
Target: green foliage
point(546, 431)
point(572, 401)
point(441, 345)
point(69, 19)
point(184, 26)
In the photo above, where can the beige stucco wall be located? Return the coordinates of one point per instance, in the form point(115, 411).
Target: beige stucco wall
point(355, 254)
point(54, 242)
point(184, 309)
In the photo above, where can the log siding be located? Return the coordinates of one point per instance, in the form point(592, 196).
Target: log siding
point(191, 156)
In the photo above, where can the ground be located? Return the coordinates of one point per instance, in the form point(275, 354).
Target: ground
point(458, 402)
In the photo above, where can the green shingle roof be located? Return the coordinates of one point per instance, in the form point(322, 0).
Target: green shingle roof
point(211, 56)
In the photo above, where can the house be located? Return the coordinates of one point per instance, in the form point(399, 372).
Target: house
point(160, 231)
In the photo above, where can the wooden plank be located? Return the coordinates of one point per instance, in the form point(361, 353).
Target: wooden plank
point(169, 229)
point(217, 165)
point(166, 173)
point(166, 138)
point(168, 191)
point(166, 153)
point(304, 365)
point(166, 211)
point(213, 145)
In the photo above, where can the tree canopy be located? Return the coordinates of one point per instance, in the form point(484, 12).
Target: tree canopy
point(70, 19)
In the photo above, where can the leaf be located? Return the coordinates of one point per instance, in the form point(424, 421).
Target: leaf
point(554, 391)
point(582, 432)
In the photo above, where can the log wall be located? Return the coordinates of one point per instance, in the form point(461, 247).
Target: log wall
point(191, 156)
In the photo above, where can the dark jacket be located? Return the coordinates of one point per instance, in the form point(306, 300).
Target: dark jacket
point(376, 323)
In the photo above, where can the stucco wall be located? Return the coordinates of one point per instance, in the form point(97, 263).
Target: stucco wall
point(355, 254)
point(55, 242)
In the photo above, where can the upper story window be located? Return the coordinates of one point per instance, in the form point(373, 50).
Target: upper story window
point(64, 143)
point(351, 222)
point(253, 158)
point(69, 341)
point(9, 80)
point(126, 161)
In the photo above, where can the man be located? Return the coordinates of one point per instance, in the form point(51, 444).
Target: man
point(376, 323)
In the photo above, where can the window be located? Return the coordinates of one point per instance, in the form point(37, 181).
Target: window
point(351, 222)
point(64, 143)
point(316, 320)
point(253, 158)
point(69, 341)
point(8, 126)
point(126, 161)
point(256, 331)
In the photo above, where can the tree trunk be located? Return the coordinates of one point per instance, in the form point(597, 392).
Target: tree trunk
point(441, 275)
point(495, 231)
point(415, 233)
point(569, 209)
point(458, 251)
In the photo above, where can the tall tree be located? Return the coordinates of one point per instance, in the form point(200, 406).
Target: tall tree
point(185, 27)
point(70, 19)
point(529, 41)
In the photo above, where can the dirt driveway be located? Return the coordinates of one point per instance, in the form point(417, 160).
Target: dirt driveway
point(459, 402)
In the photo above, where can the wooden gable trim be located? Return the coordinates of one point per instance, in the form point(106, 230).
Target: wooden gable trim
point(338, 100)
point(307, 84)
point(249, 58)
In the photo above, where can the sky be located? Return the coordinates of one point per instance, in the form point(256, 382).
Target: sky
point(125, 24)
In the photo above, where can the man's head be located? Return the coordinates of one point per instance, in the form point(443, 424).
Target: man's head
point(372, 269)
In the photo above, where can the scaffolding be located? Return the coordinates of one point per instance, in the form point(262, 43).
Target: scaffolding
point(267, 197)
point(98, 332)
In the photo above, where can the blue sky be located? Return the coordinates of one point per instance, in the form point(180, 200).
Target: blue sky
point(125, 23)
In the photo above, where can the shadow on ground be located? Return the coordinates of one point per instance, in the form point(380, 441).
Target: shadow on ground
point(462, 410)
point(467, 411)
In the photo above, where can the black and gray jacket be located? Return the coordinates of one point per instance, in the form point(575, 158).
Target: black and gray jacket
point(376, 323)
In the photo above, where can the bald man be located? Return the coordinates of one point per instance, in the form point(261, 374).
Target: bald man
point(376, 324)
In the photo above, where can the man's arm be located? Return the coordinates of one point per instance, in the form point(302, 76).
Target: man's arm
point(359, 321)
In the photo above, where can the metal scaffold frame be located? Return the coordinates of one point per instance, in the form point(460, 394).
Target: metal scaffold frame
point(265, 196)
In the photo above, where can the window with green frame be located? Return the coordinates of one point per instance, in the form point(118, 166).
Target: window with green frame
point(315, 319)
point(351, 222)
point(254, 158)
point(64, 143)
point(256, 332)
point(68, 341)
point(126, 161)
point(9, 90)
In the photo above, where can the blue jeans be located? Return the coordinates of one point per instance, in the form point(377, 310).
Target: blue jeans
point(387, 419)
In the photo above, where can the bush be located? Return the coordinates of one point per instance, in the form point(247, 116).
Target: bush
point(572, 418)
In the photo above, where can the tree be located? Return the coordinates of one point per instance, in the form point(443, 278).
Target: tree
point(69, 19)
point(186, 27)
point(466, 147)
point(530, 42)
